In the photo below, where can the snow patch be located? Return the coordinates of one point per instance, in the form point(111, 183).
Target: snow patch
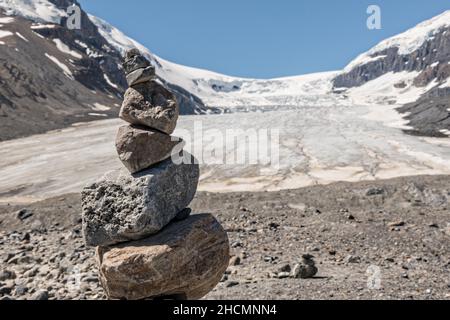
point(6, 20)
point(43, 26)
point(39, 35)
point(65, 49)
point(434, 64)
point(22, 37)
point(100, 107)
point(97, 114)
point(81, 44)
point(92, 54)
point(445, 84)
point(4, 34)
point(63, 67)
point(110, 82)
point(382, 90)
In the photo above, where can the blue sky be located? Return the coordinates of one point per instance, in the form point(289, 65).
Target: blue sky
point(261, 38)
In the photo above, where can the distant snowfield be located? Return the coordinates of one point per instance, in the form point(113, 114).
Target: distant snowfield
point(318, 145)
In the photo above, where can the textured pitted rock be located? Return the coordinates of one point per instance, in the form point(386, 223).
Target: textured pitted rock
point(140, 148)
point(186, 259)
point(122, 207)
point(150, 104)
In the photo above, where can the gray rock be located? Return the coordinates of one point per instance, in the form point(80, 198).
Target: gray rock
point(5, 290)
point(303, 271)
point(140, 76)
point(352, 259)
point(123, 207)
point(21, 290)
point(40, 295)
point(285, 268)
point(129, 54)
point(375, 192)
point(139, 148)
point(24, 214)
point(7, 275)
point(150, 105)
point(306, 269)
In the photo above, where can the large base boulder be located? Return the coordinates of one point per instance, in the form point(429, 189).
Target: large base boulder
point(187, 260)
point(150, 104)
point(122, 207)
point(139, 148)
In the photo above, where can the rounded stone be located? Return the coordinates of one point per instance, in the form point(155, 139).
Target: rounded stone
point(187, 259)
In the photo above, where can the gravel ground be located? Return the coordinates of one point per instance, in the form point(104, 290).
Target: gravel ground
point(370, 240)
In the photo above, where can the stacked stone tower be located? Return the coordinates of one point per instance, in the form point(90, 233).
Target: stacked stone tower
point(149, 244)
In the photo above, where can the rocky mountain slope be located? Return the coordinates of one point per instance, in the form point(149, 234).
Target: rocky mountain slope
point(52, 76)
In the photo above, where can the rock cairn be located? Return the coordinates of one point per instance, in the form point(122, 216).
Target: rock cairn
point(149, 244)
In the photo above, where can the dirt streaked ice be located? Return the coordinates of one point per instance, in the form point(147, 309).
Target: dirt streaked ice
point(318, 145)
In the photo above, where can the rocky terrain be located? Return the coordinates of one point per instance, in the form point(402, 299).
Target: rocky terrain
point(370, 240)
point(430, 115)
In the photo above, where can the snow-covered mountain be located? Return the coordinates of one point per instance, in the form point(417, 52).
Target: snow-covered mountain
point(411, 69)
point(397, 71)
point(415, 61)
point(74, 75)
point(226, 93)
